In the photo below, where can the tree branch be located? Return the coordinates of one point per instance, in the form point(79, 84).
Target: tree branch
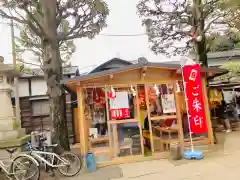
point(5, 15)
point(33, 64)
point(32, 18)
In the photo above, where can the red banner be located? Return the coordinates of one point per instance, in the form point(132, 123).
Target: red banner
point(121, 113)
point(193, 89)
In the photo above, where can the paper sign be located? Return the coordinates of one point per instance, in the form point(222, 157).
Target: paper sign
point(168, 103)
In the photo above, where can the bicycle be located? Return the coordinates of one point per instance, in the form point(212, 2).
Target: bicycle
point(53, 160)
point(20, 166)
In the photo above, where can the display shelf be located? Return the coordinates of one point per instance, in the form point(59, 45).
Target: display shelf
point(99, 140)
point(157, 118)
point(122, 121)
point(156, 137)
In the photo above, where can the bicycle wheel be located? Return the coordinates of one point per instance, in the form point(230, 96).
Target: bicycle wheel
point(69, 164)
point(24, 168)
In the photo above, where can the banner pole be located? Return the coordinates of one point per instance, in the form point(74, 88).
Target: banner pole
point(188, 116)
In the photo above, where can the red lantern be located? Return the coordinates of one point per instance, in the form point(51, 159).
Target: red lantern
point(112, 95)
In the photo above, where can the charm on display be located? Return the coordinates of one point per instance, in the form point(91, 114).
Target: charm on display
point(133, 91)
point(156, 90)
point(121, 113)
point(112, 93)
point(119, 106)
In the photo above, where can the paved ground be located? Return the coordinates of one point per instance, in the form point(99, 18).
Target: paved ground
point(222, 164)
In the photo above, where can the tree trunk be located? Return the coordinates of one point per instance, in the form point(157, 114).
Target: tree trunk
point(198, 24)
point(52, 67)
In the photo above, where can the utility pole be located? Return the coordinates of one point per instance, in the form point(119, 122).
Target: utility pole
point(16, 84)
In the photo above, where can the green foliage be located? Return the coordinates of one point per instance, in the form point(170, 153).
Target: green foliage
point(16, 124)
point(29, 41)
point(168, 22)
point(21, 68)
point(233, 70)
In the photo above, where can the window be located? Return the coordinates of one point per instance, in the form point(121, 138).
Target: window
point(40, 107)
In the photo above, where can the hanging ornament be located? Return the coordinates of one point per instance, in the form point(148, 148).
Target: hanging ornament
point(112, 93)
point(133, 91)
point(156, 90)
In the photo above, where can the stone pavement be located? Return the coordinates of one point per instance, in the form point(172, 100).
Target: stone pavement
point(217, 165)
point(220, 168)
point(221, 164)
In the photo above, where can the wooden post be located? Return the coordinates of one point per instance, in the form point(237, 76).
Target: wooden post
point(109, 126)
point(113, 143)
point(138, 118)
point(207, 111)
point(179, 118)
point(115, 140)
point(149, 117)
point(82, 122)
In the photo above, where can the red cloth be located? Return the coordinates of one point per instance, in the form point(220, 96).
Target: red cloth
point(193, 88)
point(168, 122)
point(122, 113)
point(98, 97)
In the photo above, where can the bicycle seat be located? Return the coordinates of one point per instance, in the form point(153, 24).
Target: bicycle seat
point(11, 151)
point(50, 145)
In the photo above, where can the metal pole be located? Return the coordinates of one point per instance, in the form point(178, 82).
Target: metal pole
point(188, 116)
point(16, 84)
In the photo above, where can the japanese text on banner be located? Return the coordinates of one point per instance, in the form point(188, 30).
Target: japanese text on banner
point(193, 88)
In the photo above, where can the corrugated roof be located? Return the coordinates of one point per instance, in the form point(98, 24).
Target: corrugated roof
point(134, 66)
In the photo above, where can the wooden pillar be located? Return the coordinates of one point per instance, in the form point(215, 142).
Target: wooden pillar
point(149, 117)
point(108, 124)
point(207, 111)
point(138, 118)
point(115, 140)
point(113, 136)
point(82, 122)
point(179, 118)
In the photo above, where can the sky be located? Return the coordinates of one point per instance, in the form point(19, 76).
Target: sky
point(122, 19)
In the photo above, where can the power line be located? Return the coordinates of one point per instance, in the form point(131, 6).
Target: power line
point(101, 34)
